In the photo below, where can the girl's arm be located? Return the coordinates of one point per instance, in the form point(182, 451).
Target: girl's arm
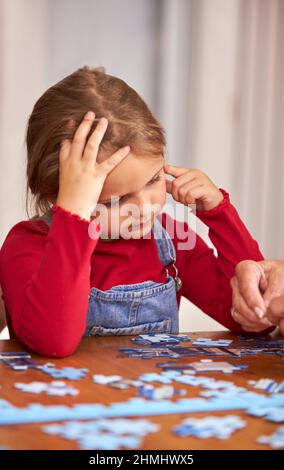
point(229, 236)
point(45, 278)
point(206, 277)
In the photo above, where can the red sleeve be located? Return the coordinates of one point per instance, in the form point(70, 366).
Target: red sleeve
point(45, 278)
point(206, 277)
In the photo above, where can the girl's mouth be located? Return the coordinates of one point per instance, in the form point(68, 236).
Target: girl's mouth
point(140, 224)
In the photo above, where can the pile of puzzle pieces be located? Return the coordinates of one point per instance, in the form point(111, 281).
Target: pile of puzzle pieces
point(56, 388)
point(112, 429)
point(105, 434)
point(221, 428)
point(269, 385)
point(276, 440)
point(22, 361)
point(229, 398)
point(167, 346)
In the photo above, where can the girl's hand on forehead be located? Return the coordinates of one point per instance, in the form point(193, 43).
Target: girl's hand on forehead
point(192, 187)
point(81, 178)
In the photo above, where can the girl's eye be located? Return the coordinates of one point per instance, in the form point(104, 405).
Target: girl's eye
point(153, 181)
point(116, 202)
point(108, 204)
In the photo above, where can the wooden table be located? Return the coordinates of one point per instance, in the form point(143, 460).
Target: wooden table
point(101, 356)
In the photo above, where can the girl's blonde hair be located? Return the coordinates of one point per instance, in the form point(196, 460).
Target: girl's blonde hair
point(130, 123)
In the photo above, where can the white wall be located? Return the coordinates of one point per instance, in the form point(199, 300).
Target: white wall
point(22, 80)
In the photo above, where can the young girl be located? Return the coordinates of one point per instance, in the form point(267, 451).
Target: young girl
point(68, 272)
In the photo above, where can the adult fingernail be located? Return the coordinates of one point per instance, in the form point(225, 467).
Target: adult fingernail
point(259, 312)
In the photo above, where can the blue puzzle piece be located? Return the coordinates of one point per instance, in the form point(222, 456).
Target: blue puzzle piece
point(218, 427)
point(176, 351)
point(35, 413)
point(105, 434)
point(160, 339)
point(271, 413)
point(207, 342)
point(269, 385)
point(158, 393)
point(149, 353)
point(70, 373)
point(55, 388)
point(11, 354)
point(263, 341)
point(154, 377)
point(275, 440)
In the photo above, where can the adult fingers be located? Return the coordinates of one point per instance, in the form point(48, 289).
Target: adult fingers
point(245, 324)
point(248, 274)
point(275, 286)
point(275, 311)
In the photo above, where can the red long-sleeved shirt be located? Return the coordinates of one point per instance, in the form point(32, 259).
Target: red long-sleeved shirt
point(46, 273)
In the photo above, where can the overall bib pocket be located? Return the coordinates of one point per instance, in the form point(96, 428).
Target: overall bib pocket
point(132, 309)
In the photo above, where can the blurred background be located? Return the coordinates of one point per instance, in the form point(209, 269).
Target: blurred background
point(212, 71)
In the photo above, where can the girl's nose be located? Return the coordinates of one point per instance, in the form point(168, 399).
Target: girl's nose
point(142, 207)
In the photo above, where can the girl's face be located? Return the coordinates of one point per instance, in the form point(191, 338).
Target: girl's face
point(133, 193)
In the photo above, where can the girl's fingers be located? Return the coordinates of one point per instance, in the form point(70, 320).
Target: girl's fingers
point(64, 150)
point(110, 163)
point(175, 170)
point(80, 136)
point(187, 177)
point(180, 181)
point(194, 194)
point(189, 192)
point(92, 146)
point(169, 186)
point(182, 176)
point(178, 187)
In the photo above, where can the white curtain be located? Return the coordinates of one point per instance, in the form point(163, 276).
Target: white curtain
point(22, 80)
point(222, 99)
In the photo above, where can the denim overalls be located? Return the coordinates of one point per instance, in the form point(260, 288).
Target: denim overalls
point(134, 309)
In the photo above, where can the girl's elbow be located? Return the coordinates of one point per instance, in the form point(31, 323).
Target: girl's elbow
point(51, 348)
point(59, 349)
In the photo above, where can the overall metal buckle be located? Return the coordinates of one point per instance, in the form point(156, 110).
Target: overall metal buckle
point(177, 279)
